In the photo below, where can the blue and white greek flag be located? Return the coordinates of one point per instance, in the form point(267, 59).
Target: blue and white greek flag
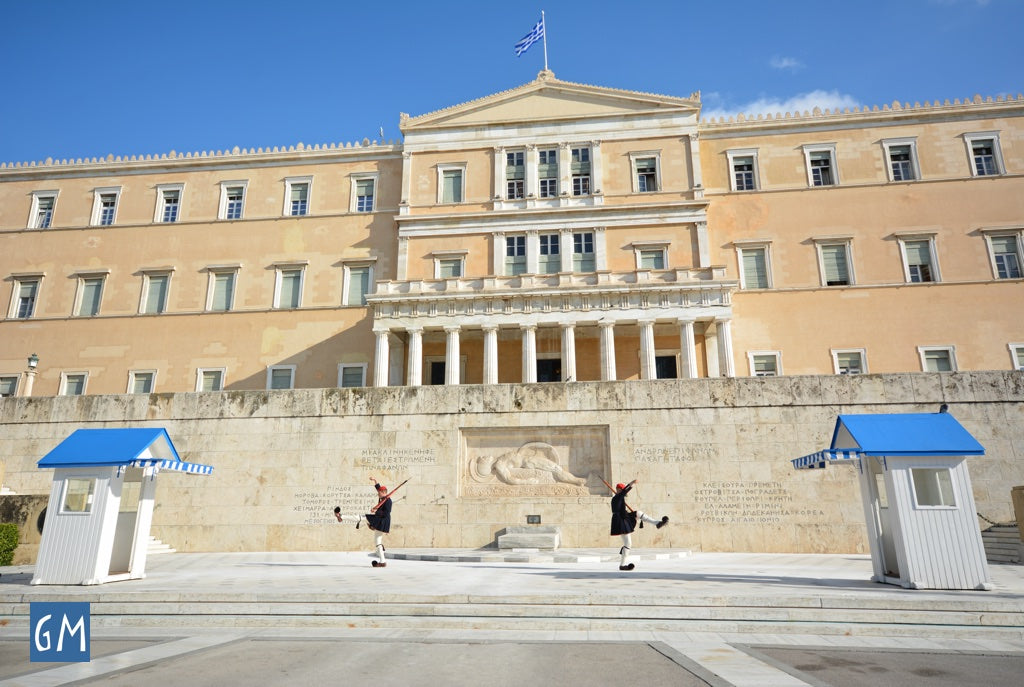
point(529, 39)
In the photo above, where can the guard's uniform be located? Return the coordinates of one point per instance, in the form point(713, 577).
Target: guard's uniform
point(623, 521)
point(380, 520)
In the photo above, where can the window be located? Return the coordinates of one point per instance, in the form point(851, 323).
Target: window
point(155, 287)
point(515, 255)
point(1017, 356)
point(78, 494)
point(358, 283)
point(821, 165)
point(168, 202)
point(834, 263)
point(209, 379)
point(363, 193)
point(1006, 257)
point(743, 164)
point(141, 381)
point(73, 383)
point(104, 206)
point(937, 359)
point(919, 260)
point(296, 199)
point(515, 175)
point(220, 289)
point(351, 375)
point(449, 263)
point(580, 163)
point(449, 267)
point(849, 362)
point(547, 173)
point(450, 184)
point(645, 172)
point(90, 292)
point(902, 156)
point(232, 199)
point(985, 153)
point(550, 261)
point(280, 377)
point(652, 259)
point(765, 363)
point(288, 286)
point(666, 365)
point(933, 487)
point(583, 259)
point(41, 214)
point(8, 385)
point(754, 267)
point(26, 291)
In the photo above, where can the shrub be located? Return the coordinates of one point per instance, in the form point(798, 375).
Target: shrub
point(8, 542)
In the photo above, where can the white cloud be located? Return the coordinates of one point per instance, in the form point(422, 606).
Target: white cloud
point(798, 103)
point(786, 63)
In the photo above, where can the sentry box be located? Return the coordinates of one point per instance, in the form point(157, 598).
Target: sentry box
point(916, 491)
point(101, 504)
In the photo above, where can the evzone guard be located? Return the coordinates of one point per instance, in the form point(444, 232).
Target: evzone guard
point(624, 521)
point(378, 519)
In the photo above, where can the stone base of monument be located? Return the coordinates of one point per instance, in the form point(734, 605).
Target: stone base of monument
point(534, 537)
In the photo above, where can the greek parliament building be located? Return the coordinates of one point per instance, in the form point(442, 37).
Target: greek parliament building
point(586, 237)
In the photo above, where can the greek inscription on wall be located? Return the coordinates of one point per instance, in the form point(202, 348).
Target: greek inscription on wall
point(672, 454)
point(316, 506)
point(748, 501)
point(395, 458)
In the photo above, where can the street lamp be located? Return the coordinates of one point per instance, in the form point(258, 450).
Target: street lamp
point(30, 374)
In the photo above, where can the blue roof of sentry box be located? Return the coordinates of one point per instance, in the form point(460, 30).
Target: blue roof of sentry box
point(135, 446)
point(908, 434)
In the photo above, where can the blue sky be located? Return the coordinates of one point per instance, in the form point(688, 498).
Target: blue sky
point(135, 77)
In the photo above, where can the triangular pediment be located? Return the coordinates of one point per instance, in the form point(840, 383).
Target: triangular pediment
point(548, 99)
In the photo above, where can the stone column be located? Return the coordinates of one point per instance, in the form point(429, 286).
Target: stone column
point(498, 259)
point(647, 365)
point(564, 169)
point(600, 250)
point(529, 353)
point(565, 250)
point(532, 251)
point(711, 348)
point(531, 161)
point(490, 354)
point(406, 183)
point(703, 245)
point(596, 175)
point(30, 380)
point(687, 350)
point(725, 363)
point(499, 173)
point(451, 355)
point(698, 174)
point(381, 357)
point(568, 352)
point(414, 366)
point(608, 371)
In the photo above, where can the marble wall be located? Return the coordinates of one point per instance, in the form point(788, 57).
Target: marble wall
point(712, 454)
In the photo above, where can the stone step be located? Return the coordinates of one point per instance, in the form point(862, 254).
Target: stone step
point(155, 546)
point(1002, 544)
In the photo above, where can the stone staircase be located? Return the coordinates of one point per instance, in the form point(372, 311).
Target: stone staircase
point(155, 546)
point(1002, 544)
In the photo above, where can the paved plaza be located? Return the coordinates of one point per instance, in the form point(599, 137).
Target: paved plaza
point(462, 617)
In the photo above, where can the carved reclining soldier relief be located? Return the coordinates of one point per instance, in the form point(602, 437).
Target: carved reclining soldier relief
point(529, 464)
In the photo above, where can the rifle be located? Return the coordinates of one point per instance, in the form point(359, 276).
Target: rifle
point(374, 508)
point(612, 489)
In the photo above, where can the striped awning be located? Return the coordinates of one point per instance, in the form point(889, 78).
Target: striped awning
point(823, 458)
point(173, 466)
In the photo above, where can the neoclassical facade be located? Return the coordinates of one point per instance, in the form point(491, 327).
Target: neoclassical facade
point(553, 232)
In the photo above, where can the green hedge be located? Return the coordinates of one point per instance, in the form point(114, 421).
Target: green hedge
point(8, 542)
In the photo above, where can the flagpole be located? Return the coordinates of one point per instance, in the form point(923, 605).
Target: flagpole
point(544, 23)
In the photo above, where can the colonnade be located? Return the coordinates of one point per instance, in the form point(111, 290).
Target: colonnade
point(717, 338)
